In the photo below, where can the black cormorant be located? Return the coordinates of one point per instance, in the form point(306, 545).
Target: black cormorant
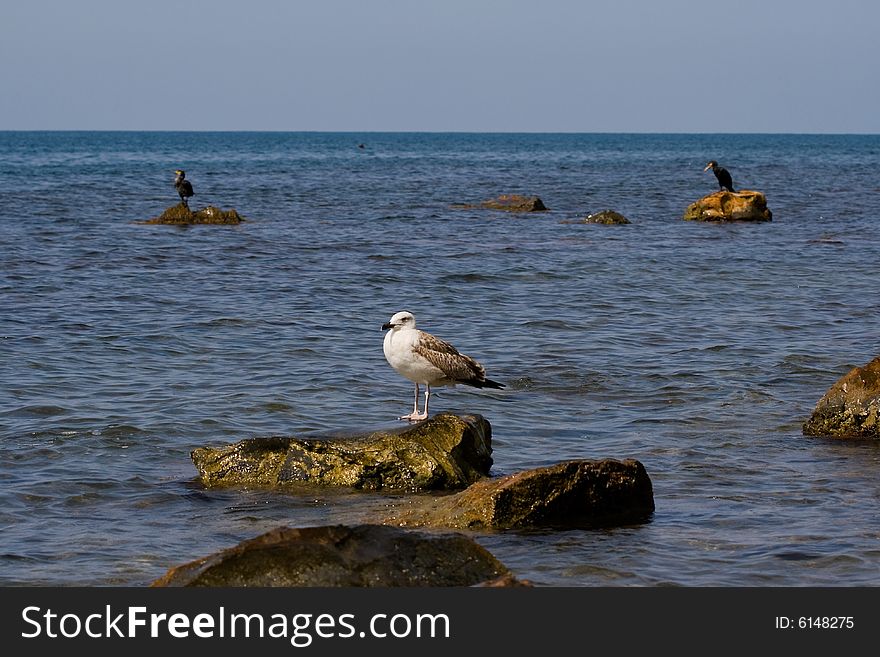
point(183, 186)
point(723, 175)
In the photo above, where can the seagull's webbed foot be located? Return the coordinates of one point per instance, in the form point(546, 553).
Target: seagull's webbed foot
point(414, 417)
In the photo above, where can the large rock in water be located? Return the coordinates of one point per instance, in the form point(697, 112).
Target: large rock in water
point(181, 215)
point(568, 494)
point(743, 205)
point(364, 555)
point(444, 452)
point(851, 407)
point(511, 203)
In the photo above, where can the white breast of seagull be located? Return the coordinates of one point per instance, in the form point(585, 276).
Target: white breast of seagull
point(400, 351)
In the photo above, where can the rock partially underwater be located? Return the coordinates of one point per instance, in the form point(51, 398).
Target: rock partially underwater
point(181, 215)
point(363, 555)
point(568, 494)
point(445, 452)
point(730, 206)
point(510, 203)
point(851, 407)
point(607, 217)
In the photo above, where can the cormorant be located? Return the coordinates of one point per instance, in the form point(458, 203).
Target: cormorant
point(723, 175)
point(184, 187)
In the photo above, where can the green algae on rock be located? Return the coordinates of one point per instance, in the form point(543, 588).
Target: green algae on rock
point(607, 217)
point(744, 205)
point(445, 452)
point(569, 494)
point(180, 214)
point(851, 407)
point(358, 556)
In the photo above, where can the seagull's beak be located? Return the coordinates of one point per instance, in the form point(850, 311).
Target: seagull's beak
point(387, 325)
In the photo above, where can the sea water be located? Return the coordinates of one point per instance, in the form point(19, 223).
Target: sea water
point(698, 349)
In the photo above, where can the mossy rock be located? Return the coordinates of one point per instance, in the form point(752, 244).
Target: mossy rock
point(180, 214)
point(851, 407)
point(445, 452)
point(509, 203)
point(606, 217)
point(358, 556)
point(569, 494)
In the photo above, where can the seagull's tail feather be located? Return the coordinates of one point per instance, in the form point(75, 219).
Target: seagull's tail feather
point(488, 383)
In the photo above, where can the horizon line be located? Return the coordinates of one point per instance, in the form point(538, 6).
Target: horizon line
point(435, 132)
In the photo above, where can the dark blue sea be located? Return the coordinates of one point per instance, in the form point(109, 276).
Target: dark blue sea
point(697, 349)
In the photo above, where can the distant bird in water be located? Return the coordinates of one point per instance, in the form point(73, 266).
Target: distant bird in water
point(361, 146)
point(423, 358)
point(723, 175)
point(183, 186)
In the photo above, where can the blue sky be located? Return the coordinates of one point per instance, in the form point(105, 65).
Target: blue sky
point(442, 65)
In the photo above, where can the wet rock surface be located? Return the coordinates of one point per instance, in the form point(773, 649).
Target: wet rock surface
point(607, 217)
point(510, 203)
point(362, 555)
point(444, 452)
point(569, 494)
point(851, 407)
point(181, 214)
point(744, 205)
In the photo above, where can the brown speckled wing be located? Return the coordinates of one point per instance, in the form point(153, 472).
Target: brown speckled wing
point(456, 366)
point(429, 342)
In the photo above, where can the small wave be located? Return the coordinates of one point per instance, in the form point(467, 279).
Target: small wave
point(36, 411)
point(11, 556)
point(468, 278)
point(549, 323)
point(118, 431)
point(796, 556)
point(277, 407)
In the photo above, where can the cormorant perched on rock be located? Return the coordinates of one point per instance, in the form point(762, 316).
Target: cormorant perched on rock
point(184, 187)
point(723, 175)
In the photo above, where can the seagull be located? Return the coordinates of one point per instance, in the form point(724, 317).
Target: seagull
point(423, 358)
point(183, 186)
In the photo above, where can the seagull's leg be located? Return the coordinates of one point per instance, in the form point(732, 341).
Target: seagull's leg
point(415, 414)
point(427, 396)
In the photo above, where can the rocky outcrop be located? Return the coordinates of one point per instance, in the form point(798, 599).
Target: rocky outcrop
point(851, 407)
point(363, 555)
point(445, 452)
point(743, 205)
point(181, 214)
point(510, 203)
point(568, 494)
point(608, 217)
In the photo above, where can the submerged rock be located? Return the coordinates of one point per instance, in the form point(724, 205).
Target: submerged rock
point(743, 205)
point(609, 217)
point(568, 494)
point(511, 203)
point(444, 452)
point(181, 214)
point(363, 555)
point(851, 407)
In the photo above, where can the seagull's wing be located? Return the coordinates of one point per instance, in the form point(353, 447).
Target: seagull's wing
point(456, 366)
